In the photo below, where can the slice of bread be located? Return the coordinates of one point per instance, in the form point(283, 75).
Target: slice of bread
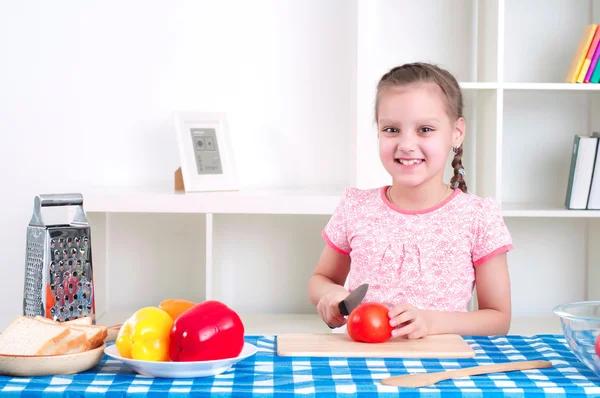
point(86, 320)
point(28, 336)
point(76, 340)
point(94, 335)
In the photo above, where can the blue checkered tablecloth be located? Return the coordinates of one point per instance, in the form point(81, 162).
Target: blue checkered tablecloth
point(266, 374)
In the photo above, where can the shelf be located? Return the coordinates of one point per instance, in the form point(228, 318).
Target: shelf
point(478, 86)
point(160, 200)
point(267, 202)
point(531, 86)
point(536, 210)
point(551, 86)
point(308, 323)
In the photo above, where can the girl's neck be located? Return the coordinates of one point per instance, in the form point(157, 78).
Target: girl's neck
point(420, 197)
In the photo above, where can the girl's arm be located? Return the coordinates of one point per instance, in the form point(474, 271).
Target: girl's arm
point(492, 317)
point(493, 295)
point(326, 286)
point(329, 275)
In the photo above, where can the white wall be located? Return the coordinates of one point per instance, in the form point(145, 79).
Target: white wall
point(87, 91)
point(396, 32)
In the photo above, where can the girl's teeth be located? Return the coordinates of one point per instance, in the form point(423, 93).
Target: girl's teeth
point(410, 162)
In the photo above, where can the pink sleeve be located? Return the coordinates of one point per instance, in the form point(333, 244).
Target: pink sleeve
point(491, 234)
point(336, 230)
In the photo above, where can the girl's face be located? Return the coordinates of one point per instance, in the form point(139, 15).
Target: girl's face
point(415, 133)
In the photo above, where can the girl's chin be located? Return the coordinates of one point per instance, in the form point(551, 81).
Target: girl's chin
point(406, 183)
point(401, 172)
point(411, 179)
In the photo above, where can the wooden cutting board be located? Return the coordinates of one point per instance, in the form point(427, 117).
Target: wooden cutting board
point(341, 345)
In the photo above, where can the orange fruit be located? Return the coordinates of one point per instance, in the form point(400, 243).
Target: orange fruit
point(175, 307)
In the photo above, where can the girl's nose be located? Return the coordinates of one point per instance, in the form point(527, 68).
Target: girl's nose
point(406, 143)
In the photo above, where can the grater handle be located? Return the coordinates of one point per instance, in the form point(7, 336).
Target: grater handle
point(69, 199)
point(48, 200)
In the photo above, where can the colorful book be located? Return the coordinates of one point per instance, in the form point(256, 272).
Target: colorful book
point(585, 40)
point(596, 75)
point(588, 68)
point(593, 65)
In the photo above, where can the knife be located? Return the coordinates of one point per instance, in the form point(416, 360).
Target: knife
point(347, 305)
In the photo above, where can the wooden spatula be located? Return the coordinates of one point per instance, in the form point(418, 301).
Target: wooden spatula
point(426, 379)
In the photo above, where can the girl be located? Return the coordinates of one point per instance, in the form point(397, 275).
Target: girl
point(420, 244)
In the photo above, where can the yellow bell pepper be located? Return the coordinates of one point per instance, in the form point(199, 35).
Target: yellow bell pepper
point(145, 335)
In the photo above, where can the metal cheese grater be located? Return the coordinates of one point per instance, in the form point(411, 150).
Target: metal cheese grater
point(58, 274)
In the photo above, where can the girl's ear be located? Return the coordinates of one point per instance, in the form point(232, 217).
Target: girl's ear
point(458, 136)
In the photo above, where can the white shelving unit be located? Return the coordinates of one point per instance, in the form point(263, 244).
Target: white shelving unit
point(256, 249)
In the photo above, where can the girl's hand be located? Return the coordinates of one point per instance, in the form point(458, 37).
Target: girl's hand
point(407, 320)
point(328, 308)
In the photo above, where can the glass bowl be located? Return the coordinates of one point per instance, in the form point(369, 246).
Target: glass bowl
point(581, 326)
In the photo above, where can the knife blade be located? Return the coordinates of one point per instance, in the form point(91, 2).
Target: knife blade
point(347, 305)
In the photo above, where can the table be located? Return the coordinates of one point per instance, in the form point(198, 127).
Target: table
point(266, 374)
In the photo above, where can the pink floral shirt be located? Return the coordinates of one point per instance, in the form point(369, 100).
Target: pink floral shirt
point(426, 258)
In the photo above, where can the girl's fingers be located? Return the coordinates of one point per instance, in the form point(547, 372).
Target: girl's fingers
point(406, 330)
point(339, 320)
point(402, 318)
point(397, 310)
point(334, 318)
point(325, 315)
point(322, 313)
point(336, 323)
point(406, 321)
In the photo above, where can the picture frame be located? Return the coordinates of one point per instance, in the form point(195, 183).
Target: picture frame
point(205, 151)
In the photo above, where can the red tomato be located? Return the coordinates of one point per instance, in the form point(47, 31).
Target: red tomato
point(369, 323)
point(597, 346)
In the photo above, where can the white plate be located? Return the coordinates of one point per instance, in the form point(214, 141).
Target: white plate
point(181, 369)
point(50, 365)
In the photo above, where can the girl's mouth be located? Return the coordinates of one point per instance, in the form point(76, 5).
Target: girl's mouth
point(409, 162)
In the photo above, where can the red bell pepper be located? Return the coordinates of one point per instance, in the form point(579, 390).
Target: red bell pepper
point(209, 330)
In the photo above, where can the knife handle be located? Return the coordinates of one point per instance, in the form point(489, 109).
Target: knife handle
point(342, 308)
point(343, 311)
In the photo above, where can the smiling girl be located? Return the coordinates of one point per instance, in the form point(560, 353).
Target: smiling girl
point(421, 244)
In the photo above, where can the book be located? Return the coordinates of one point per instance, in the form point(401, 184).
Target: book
point(596, 75)
point(585, 40)
point(592, 55)
point(594, 197)
point(593, 66)
point(583, 157)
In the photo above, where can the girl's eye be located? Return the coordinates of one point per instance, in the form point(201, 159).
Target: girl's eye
point(390, 130)
point(425, 129)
